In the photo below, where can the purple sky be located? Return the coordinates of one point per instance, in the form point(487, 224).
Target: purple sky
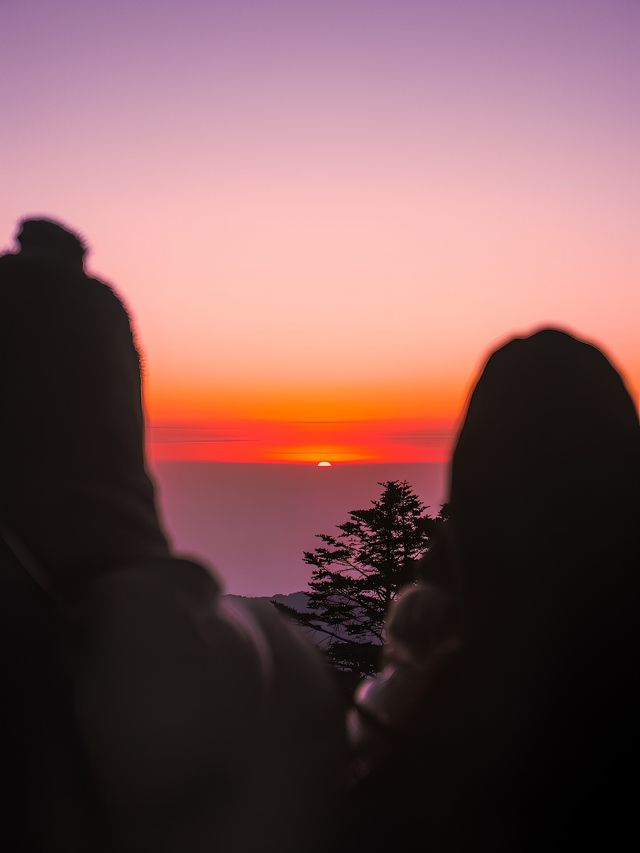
point(274, 170)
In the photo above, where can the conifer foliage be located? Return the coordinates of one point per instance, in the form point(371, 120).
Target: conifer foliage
point(358, 571)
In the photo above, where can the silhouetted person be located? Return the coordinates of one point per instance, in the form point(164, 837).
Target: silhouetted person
point(529, 738)
point(75, 501)
point(73, 483)
point(147, 714)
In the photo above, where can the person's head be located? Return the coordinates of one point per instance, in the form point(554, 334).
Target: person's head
point(50, 240)
point(545, 476)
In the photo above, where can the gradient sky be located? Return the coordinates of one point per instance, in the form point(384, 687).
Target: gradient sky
point(323, 215)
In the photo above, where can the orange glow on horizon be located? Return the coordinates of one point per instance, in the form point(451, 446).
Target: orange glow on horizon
point(197, 401)
point(304, 442)
point(403, 423)
point(331, 453)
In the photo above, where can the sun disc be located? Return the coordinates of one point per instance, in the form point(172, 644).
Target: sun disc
point(324, 464)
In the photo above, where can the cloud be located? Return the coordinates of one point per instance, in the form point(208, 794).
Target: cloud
point(427, 436)
point(192, 435)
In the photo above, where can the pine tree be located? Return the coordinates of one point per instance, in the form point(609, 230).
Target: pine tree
point(359, 571)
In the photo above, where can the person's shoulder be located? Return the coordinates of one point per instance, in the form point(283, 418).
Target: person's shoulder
point(15, 275)
point(105, 297)
point(8, 262)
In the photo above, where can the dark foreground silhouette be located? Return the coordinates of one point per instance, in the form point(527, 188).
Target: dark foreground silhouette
point(141, 711)
point(73, 483)
point(525, 736)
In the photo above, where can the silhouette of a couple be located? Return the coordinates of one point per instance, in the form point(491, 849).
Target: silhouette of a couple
point(199, 727)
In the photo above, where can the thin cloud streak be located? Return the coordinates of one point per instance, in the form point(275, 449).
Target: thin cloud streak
point(304, 441)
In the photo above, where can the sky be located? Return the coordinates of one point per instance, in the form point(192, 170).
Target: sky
point(328, 213)
point(323, 216)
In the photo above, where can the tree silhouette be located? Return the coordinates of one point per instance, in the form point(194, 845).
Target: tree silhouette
point(358, 572)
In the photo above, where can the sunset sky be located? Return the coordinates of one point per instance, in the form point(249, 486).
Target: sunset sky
point(322, 215)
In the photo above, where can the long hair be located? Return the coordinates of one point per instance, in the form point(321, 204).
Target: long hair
point(545, 481)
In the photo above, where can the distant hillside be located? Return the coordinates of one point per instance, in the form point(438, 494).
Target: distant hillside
point(296, 601)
